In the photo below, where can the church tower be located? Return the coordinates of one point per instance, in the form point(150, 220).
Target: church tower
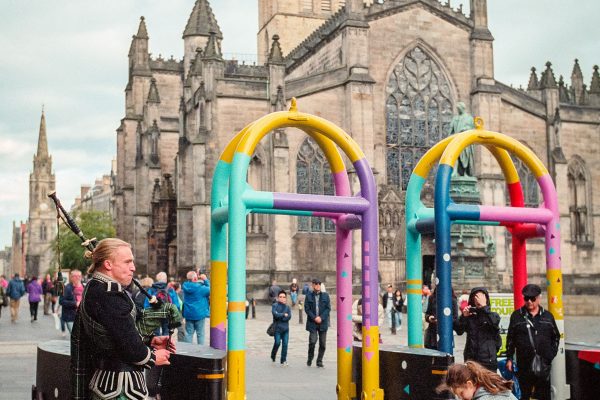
point(292, 20)
point(41, 225)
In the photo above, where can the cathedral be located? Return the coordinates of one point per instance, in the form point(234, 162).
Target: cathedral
point(32, 242)
point(391, 74)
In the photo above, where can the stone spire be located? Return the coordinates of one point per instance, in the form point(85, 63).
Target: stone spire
point(577, 82)
point(142, 31)
point(202, 21)
point(212, 50)
point(153, 96)
point(563, 93)
point(196, 67)
point(595, 85)
point(533, 81)
point(275, 55)
point(548, 80)
point(42, 149)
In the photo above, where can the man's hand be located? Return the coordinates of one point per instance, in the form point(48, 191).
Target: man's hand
point(466, 312)
point(285, 315)
point(480, 300)
point(509, 365)
point(317, 320)
point(162, 357)
point(202, 277)
point(163, 343)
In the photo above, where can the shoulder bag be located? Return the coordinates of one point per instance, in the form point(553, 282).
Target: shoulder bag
point(539, 367)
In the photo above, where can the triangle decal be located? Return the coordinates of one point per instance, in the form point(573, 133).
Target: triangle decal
point(342, 299)
point(346, 255)
point(407, 389)
point(368, 355)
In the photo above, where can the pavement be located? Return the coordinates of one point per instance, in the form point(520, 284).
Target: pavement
point(265, 380)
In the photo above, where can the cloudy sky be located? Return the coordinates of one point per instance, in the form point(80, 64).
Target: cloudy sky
point(71, 56)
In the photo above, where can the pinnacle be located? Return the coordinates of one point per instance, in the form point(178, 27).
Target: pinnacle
point(202, 21)
point(42, 149)
point(142, 31)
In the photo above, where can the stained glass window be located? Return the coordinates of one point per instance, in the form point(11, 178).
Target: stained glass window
point(418, 114)
point(313, 176)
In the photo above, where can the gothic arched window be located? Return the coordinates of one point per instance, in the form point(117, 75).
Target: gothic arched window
point(255, 223)
point(579, 201)
point(529, 184)
point(418, 113)
point(313, 176)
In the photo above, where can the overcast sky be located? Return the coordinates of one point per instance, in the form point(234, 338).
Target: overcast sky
point(71, 56)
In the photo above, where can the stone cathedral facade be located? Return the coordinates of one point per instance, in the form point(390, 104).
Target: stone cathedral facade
point(390, 73)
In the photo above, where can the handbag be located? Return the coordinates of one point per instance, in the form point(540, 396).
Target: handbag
point(539, 367)
point(271, 329)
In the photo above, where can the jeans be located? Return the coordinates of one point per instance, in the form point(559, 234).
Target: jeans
point(397, 317)
point(294, 296)
point(312, 341)
point(191, 326)
point(388, 314)
point(280, 337)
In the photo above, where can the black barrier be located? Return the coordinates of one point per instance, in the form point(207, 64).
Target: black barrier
point(583, 370)
point(196, 372)
point(406, 373)
point(52, 380)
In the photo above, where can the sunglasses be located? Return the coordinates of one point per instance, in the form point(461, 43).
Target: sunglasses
point(529, 298)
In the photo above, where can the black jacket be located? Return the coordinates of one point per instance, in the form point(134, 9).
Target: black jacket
point(483, 333)
point(545, 336)
point(310, 307)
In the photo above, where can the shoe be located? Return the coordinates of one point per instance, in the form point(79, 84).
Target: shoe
point(308, 363)
point(285, 364)
point(31, 319)
point(320, 365)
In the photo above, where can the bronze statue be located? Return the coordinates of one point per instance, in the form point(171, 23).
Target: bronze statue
point(460, 123)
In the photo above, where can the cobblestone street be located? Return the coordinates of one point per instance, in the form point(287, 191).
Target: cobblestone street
point(265, 380)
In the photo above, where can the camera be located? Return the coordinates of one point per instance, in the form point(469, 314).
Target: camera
point(473, 310)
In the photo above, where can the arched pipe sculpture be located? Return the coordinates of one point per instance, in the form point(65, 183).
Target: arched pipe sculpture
point(232, 198)
point(523, 223)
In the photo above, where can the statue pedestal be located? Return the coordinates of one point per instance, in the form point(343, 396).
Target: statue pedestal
point(473, 252)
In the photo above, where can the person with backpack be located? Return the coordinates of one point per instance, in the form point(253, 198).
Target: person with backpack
point(196, 308)
point(15, 291)
point(164, 294)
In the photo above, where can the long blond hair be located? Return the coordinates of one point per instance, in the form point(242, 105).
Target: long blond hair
point(459, 374)
point(104, 251)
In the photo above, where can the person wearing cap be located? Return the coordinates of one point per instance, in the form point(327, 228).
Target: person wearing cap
point(317, 307)
point(483, 329)
point(532, 319)
point(387, 301)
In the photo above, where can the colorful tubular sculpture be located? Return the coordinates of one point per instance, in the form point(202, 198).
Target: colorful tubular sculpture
point(232, 198)
point(522, 223)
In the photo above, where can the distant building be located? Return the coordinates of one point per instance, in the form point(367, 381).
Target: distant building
point(19, 248)
point(95, 198)
point(41, 224)
point(5, 261)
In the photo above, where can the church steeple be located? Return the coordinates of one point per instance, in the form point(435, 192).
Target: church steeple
point(42, 149)
point(41, 224)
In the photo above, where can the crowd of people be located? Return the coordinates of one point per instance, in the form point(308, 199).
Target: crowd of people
point(98, 310)
point(532, 333)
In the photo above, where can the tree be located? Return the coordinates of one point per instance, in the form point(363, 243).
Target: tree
point(93, 224)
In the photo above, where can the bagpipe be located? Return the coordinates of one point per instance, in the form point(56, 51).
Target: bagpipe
point(148, 319)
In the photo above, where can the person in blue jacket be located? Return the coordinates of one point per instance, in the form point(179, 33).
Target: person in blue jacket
point(196, 307)
point(15, 290)
point(317, 307)
point(281, 318)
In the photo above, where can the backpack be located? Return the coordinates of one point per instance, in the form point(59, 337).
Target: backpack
point(163, 296)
